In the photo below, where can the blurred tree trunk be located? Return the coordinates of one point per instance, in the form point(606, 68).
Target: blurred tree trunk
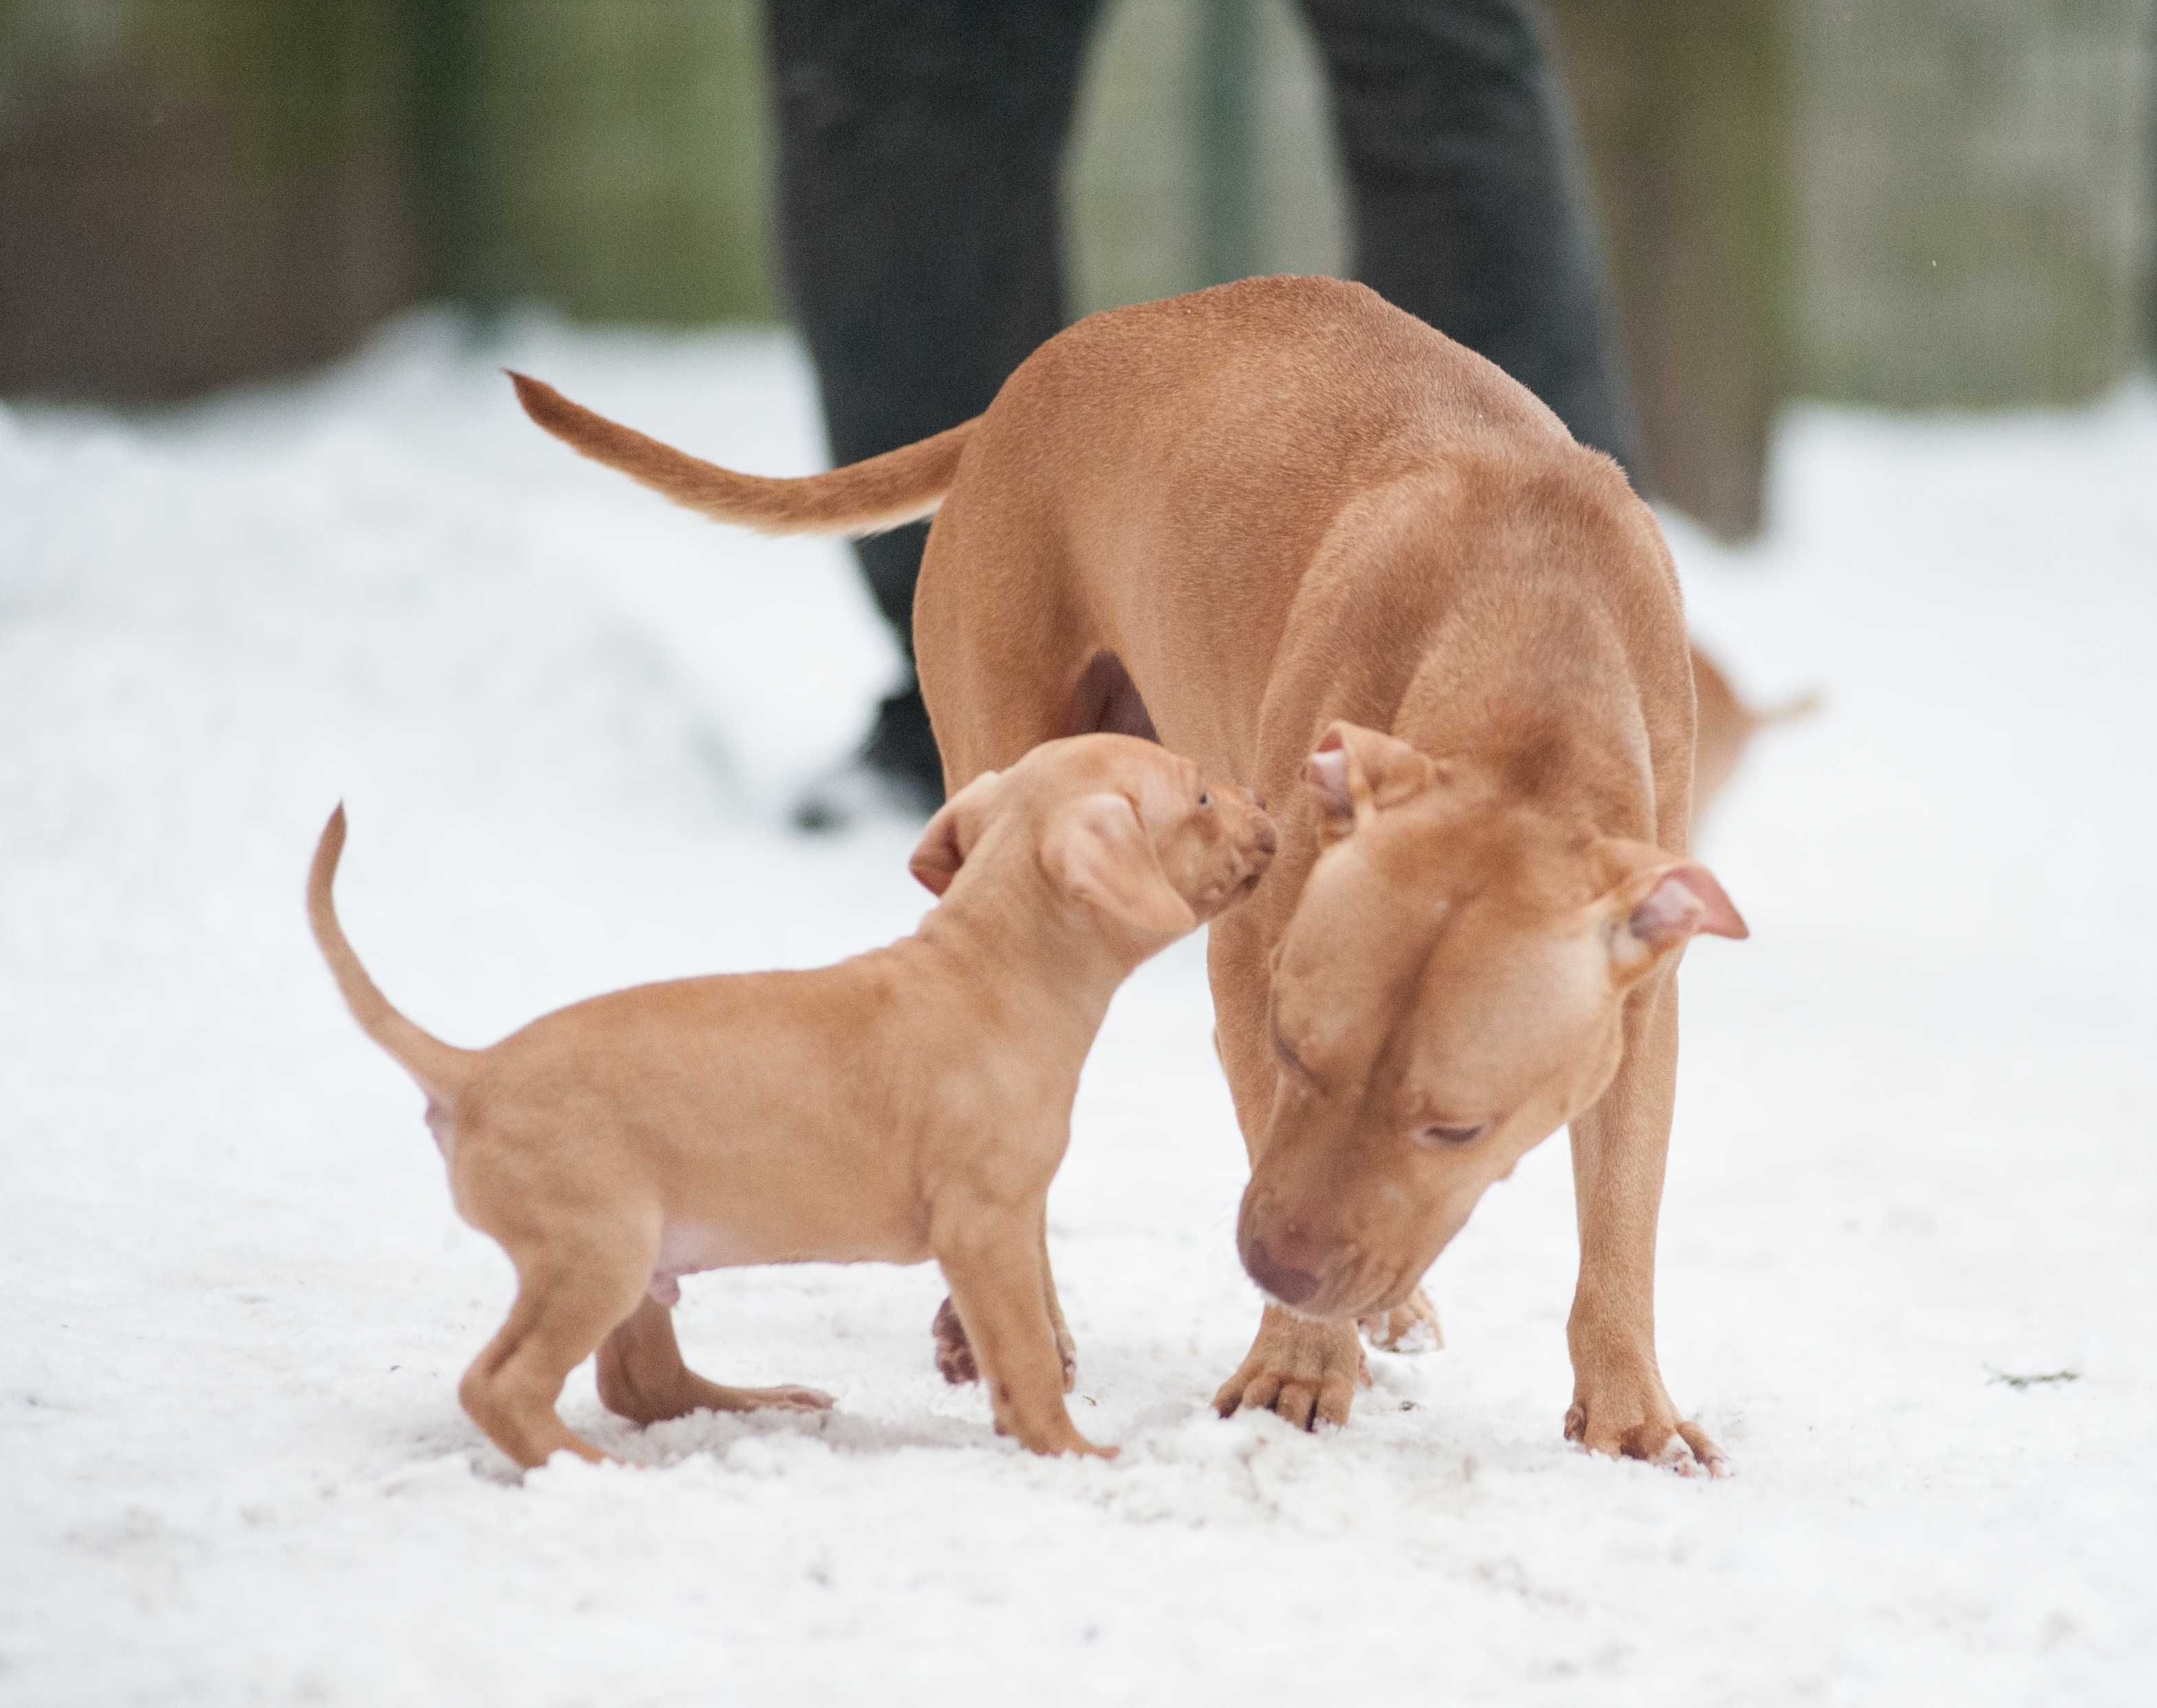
point(445, 151)
point(197, 191)
point(1682, 109)
point(193, 194)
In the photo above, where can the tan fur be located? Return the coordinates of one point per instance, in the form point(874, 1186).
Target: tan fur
point(1324, 550)
point(440, 1069)
point(909, 1103)
point(867, 498)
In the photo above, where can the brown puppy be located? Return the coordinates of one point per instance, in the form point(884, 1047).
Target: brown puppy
point(1329, 552)
point(908, 1103)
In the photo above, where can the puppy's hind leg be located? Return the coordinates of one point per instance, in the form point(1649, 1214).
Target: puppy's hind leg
point(567, 1300)
point(641, 1376)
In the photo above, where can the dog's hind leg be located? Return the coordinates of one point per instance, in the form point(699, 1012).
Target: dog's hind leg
point(999, 645)
point(641, 1376)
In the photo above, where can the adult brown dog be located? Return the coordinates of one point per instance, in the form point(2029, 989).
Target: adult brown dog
point(909, 1103)
point(1325, 551)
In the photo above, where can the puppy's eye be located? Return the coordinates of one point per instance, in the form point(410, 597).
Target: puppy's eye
point(1206, 797)
point(1437, 1135)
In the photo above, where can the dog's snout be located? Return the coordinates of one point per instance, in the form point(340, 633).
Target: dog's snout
point(1287, 1283)
point(1283, 1259)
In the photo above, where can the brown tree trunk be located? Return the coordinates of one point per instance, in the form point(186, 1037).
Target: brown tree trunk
point(1682, 109)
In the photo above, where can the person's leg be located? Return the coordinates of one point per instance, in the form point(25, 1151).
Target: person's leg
point(920, 146)
point(1467, 199)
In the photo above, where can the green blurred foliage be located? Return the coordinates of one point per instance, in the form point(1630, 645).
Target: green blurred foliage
point(626, 147)
point(1912, 201)
point(1974, 181)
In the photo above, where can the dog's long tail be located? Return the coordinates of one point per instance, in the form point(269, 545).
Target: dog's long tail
point(866, 497)
point(440, 1068)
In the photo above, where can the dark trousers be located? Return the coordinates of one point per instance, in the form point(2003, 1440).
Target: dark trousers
point(920, 148)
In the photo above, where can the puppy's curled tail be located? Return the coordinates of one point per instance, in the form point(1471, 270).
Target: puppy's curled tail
point(866, 497)
point(439, 1068)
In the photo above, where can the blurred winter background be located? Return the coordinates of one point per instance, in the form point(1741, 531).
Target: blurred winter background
point(271, 532)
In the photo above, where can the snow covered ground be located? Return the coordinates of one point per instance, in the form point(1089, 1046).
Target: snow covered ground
point(1917, 1146)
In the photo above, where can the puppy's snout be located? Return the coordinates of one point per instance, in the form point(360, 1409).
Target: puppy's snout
point(1260, 840)
point(1248, 841)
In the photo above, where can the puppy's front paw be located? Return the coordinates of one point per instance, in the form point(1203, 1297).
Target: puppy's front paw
point(955, 1353)
point(955, 1357)
point(1052, 1438)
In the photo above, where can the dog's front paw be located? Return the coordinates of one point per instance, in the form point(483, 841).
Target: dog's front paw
point(1410, 1326)
point(1632, 1418)
point(1306, 1372)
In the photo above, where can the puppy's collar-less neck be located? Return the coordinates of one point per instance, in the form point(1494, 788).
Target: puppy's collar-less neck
point(1036, 942)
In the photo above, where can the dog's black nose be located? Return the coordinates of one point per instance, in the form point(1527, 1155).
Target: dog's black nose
point(1290, 1285)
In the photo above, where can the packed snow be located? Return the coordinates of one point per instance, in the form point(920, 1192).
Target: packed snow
point(1906, 1270)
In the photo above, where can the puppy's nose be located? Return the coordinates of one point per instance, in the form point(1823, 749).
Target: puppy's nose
point(1286, 1282)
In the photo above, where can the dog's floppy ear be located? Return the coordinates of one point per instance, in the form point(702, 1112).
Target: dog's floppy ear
point(1098, 851)
point(1658, 903)
point(1358, 772)
point(950, 835)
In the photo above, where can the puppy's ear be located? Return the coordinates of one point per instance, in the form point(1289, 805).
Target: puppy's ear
point(952, 833)
point(1097, 850)
point(1358, 772)
point(1658, 904)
